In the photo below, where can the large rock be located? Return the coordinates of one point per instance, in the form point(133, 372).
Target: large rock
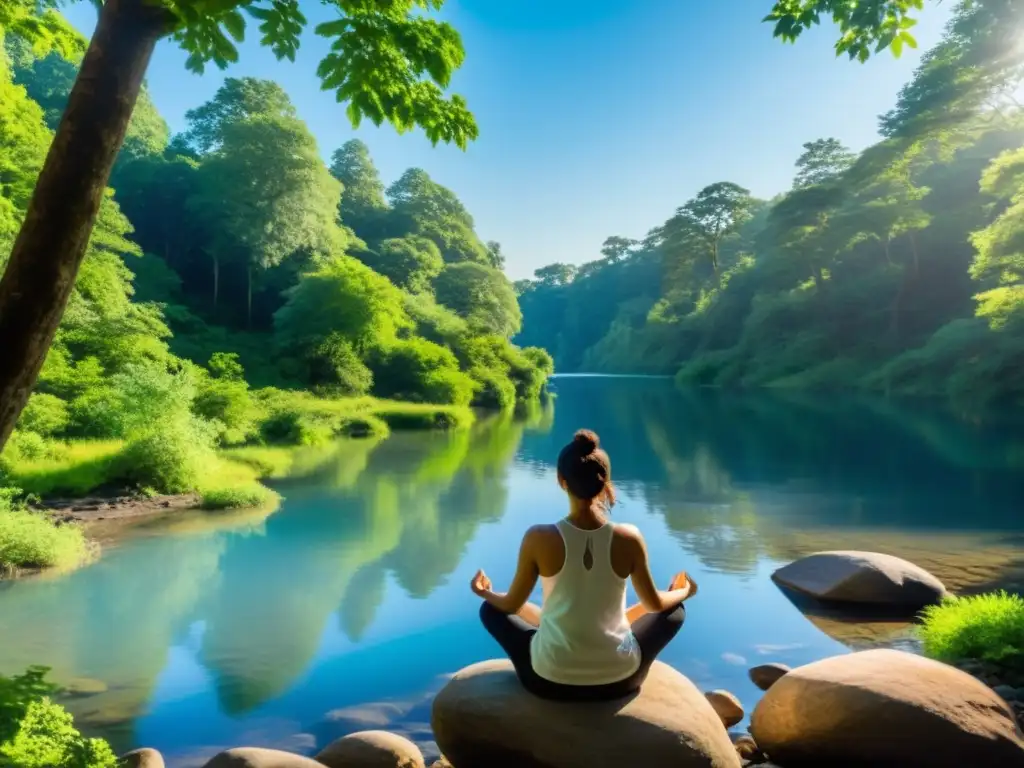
point(141, 758)
point(255, 757)
point(484, 717)
point(764, 676)
point(371, 749)
point(885, 709)
point(726, 706)
point(862, 578)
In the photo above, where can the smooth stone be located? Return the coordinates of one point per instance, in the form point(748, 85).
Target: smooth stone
point(484, 717)
point(885, 709)
point(746, 747)
point(371, 749)
point(141, 758)
point(862, 578)
point(765, 676)
point(442, 763)
point(726, 706)
point(257, 757)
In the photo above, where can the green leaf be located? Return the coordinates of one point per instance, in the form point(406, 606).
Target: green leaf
point(234, 22)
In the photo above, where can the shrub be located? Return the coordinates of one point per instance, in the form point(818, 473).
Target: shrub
point(170, 458)
point(295, 427)
point(336, 367)
point(227, 403)
point(418, 370)
point(28, 446)
point(987, 627)
point(37, 733)
point(45, 415)
point(254, 495)
point(32, 540)
point(494, 390)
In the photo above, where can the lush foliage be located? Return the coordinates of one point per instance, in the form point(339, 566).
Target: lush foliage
point(31, 540)
point(898, 270)
point(231, 254)
point(37, 733)
point(987, 627)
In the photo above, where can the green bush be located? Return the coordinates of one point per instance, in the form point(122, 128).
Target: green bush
point(37, 733)
point(493, 390)
point(988, 627)
point(27, 446)
point(337, 369)
point(32, 540)
point(235, 498)
point(170, 458)
point(296, 427)
point(418, 370)
point(45, 415)
point(227, 403)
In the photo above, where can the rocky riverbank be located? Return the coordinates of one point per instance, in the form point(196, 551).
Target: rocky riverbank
point(116, 507)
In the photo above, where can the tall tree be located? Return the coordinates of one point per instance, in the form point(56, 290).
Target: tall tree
point(423, 207)
point(388, 61)
point(821, 162)
point(263, 194)
point(699, 226)
point(555, 274)
point(482, 295)
point(409, 262)
point(363, 207)
point(616, 248)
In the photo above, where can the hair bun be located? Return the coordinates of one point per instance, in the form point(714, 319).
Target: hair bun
point(587, 441)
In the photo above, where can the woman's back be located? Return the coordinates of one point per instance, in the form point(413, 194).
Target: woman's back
point(584, 636)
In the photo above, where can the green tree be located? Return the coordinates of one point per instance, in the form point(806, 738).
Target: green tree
point(262, 190)
point(555, 274)
point(421, 206)
point(482, 295)
point(616, 248)
point(822, 161)
point(410, 262)
point(388, 61)
point(363, 207)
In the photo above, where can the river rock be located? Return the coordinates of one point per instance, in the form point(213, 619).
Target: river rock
point(764, 676)
point(256, 757)
point(886, 709)
point(862, 578)
point(1007, 692)
point(371, 749)
point(141, 758)
point(484, 717)
point(726, 706)
point(442, 763)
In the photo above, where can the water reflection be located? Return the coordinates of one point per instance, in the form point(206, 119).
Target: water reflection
point(275, 629)
point(254, 593)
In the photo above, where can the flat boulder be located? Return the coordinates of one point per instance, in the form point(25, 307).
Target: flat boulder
point(371, 749)
point(141, 758)
point(726, 706)
point(255, 757)
point(885, 709)
point(869, 579)
point(764, 676)
point(484, 717)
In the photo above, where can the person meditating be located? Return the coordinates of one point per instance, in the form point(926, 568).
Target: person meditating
point(583, 644)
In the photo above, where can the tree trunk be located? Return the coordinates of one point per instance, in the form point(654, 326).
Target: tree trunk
point(55, 235)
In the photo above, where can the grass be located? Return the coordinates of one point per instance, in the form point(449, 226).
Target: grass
point(32, 540)
point(986, 627)
point(72, 469)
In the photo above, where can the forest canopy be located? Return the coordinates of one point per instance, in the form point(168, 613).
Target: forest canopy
point(898, 269)
point(230, 266)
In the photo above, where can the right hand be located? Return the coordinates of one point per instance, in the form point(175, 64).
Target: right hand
point(680, 581)
point(480, 584)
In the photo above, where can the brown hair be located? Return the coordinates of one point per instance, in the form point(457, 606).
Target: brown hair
point(586, 469)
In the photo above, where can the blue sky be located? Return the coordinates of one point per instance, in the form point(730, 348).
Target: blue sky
point(597, 117)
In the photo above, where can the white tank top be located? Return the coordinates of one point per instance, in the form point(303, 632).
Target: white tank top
point(584, 636)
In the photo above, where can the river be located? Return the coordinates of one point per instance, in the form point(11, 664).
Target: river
point(345, 608)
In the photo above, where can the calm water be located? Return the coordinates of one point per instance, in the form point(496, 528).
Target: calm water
point(346, 607)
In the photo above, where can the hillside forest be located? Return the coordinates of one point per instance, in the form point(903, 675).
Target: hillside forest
point(897, 270)
point(236, 286)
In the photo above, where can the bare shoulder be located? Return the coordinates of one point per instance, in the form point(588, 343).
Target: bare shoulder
point(628, 533)
point(541, 535)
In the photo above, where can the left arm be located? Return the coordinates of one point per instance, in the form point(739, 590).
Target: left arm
point(523, 582)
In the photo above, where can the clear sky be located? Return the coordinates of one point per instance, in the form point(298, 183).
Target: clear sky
point(597, 117)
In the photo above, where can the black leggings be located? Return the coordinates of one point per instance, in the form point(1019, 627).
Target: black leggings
point(652, 632)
